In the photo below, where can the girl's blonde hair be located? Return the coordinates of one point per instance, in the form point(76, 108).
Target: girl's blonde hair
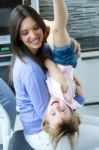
point(64, 128)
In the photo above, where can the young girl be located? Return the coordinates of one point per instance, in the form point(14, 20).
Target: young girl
point(61, 118)
point(59, 85)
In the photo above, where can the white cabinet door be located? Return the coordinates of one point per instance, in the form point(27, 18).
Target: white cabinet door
point(88, 73)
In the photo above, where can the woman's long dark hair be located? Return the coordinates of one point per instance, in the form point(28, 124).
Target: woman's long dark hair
point(18, 48)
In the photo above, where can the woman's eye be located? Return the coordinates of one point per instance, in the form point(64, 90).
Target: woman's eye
point(24, 33)
point(36, 27)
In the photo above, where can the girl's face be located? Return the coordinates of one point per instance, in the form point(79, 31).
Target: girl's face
point(31, 34)
point(57, 110)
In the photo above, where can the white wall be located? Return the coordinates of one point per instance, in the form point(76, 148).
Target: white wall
point(35, 4)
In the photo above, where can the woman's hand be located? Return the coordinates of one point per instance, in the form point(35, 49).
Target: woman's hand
point(79, 89)
point(77, 46)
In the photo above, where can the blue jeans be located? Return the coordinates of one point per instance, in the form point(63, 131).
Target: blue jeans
point(65, 55)
point(62, 55)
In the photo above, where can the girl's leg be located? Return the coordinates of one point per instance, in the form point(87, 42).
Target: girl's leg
point(60, 39)
point(60, 34)
point(64, 50)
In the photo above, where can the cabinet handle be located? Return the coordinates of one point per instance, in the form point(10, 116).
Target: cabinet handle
point(89, 57)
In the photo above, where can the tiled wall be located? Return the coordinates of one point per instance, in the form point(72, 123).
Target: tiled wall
point(83, 21)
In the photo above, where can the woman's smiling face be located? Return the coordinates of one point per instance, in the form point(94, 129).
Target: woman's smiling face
point(31, 34)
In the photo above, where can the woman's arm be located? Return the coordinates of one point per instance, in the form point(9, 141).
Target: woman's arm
point(77, 48)
point(79, 92)
point(35, 85)
point(79, 89)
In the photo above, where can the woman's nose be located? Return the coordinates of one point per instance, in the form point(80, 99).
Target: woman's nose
point(32, 34)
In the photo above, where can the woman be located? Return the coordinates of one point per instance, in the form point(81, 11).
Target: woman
point(28, 34)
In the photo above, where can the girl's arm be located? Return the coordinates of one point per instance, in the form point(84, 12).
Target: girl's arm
point(55, 73)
